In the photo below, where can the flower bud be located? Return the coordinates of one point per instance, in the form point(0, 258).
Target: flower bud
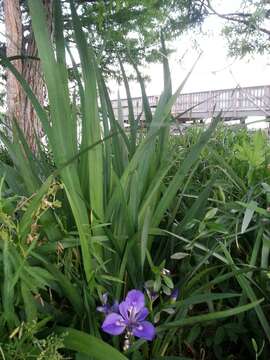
point(174, 295)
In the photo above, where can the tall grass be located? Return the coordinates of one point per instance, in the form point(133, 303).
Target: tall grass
point(108, 217)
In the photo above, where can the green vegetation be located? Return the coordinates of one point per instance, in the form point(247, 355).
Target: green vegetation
point(102, 211)
point(247, 27)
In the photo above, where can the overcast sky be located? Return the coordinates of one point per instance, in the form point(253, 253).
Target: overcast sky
point(215, 69)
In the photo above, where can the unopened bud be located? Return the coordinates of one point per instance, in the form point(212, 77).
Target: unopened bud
point(174, 295)
point(165, 271)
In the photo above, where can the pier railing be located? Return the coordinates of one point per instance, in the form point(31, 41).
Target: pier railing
point(234, 103)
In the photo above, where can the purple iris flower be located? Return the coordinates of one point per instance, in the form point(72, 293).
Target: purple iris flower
point(131, 318)
point(107, 308)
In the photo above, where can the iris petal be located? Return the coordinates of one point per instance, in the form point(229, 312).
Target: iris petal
point(113, 324)
point(142, 314)
point(144, 330)
point(115, 307)
point(135, 298)
point(123, 309)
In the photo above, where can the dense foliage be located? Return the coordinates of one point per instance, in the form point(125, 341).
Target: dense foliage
point(113, 27)
point(134, 26)
point(159, 239)
point(216, 249)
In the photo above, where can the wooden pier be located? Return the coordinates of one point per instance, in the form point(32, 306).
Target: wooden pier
point(235, 104)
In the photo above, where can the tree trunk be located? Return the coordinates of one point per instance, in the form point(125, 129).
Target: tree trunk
point(18, 105)
point(13, 23)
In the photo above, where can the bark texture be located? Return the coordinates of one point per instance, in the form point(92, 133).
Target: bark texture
point(18, 43)
point(13, 23)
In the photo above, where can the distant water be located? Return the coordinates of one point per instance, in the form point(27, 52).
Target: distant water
point(253, 122)
point(256, 122)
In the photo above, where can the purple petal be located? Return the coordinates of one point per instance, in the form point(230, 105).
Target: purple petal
point(135, 298)
point(142, 314)
point(174, 295)
point(144, 330)
point(154, 296)
point(115, 307)
point(123, 309)
point(113, 324)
